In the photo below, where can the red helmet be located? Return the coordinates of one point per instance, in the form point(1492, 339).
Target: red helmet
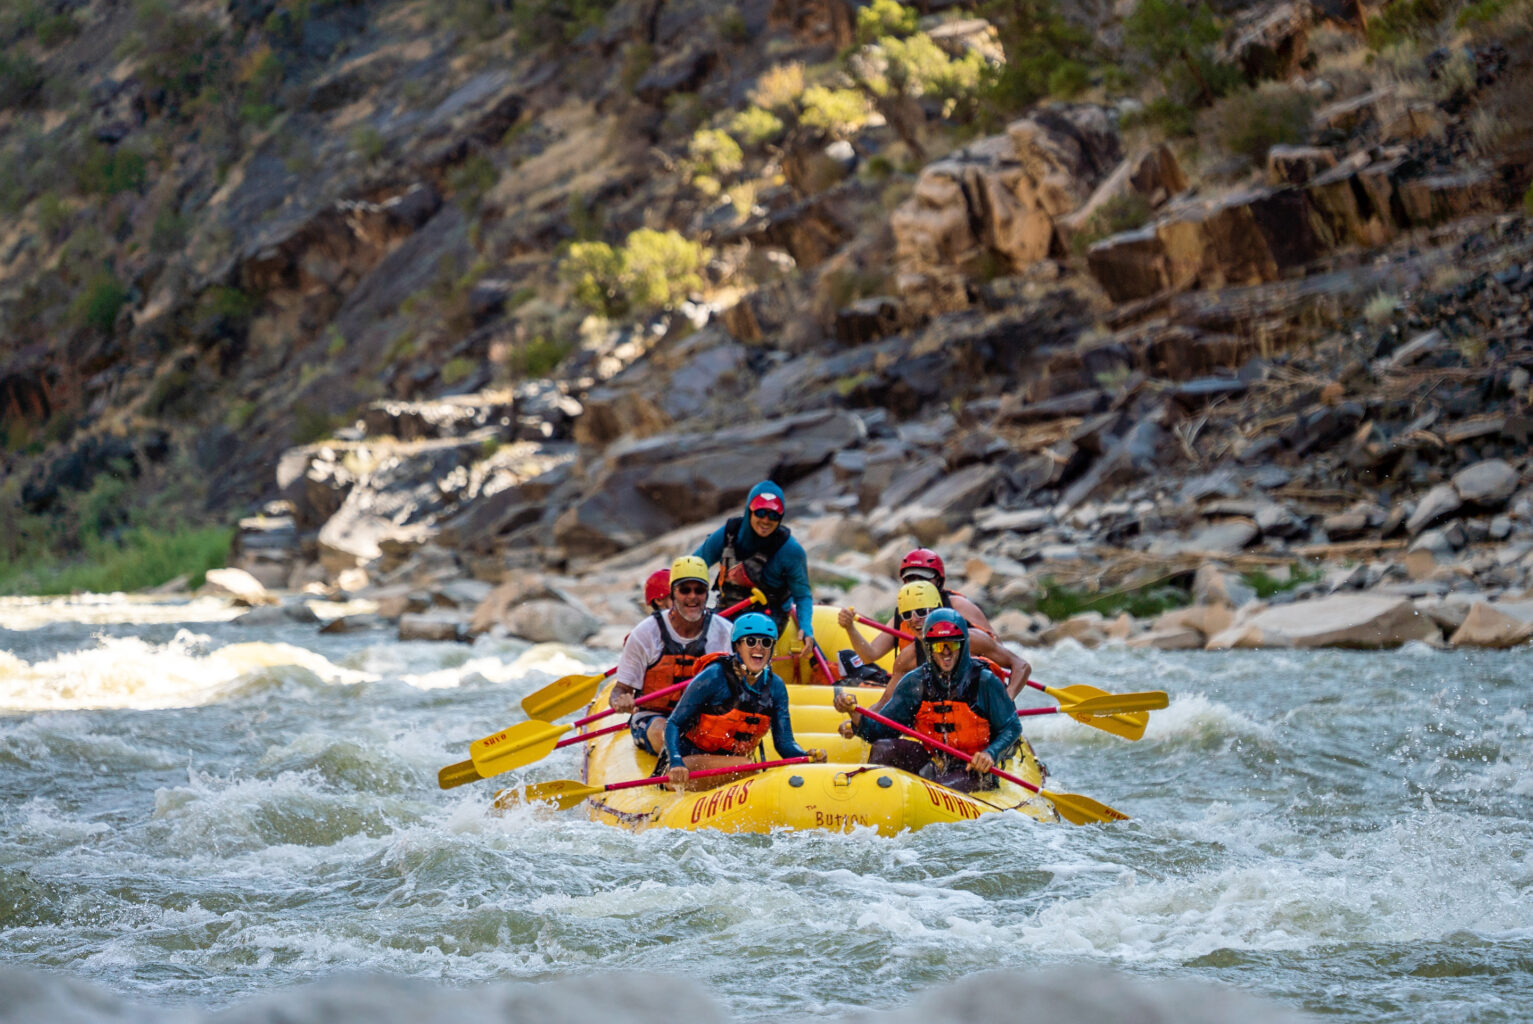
point(943, 624)
point(658, 586)
point(924, 562)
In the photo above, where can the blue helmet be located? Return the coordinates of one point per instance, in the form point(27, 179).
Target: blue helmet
point(753, 624)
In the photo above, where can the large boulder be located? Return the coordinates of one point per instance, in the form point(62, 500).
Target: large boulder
point(1486, 485)
point(546, 621)
point(998, 198)
point(1365, 621)
point(640, 489)
point(1485, 626)
point(938, 509)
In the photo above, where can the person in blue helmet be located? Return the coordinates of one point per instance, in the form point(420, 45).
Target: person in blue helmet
point(757, 551)
point(729, 707)
point(949, 697)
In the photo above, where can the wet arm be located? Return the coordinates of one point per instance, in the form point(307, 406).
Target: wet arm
point(782, 722)
point(712, 547)
point(704, 690)
point(1001, 712)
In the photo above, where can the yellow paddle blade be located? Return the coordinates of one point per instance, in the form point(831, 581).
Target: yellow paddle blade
point(1129, 726)
point(562, 696)
point(519, 745)
point(562, 793)
point(1082, 810)
point(460, 774)
point(1115, 703)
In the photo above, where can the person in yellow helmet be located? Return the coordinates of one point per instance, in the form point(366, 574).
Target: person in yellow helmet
point(664, 649)
point(915, 601)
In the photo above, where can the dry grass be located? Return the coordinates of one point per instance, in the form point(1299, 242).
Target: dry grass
point(779, 87)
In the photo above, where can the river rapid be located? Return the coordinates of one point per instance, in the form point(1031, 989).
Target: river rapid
point(197, 819)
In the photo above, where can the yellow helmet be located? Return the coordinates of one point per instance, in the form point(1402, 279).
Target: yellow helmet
point(688, 567)
point(913, 595)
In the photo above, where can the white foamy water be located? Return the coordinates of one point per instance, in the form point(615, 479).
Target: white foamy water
point(198, 822)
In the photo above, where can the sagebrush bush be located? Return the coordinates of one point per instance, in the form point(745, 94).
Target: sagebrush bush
point(779, 88)
point(714, 152)
point(1251, 122)
point(884, 19)
point(653, 270)
point(834, 111)
point(755, 126)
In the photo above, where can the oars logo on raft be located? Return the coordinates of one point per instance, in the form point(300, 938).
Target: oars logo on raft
point(733, 795)
point(950, 801)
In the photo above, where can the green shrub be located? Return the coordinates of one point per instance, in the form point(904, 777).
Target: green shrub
point(713, 152)
point(367, 142)
point(917, 66)
point(1405, 20)
point(1059, 602)
point(21, 80)
point(754, 127)
point(52, 213)
point(732, 27)
point(1038, 42)
point(96, 306)
point(1265, 585)
point(886, 19)
point(548, 22)
point(1251, 122)
point(1527, 201)
point(107, 171)
point(52, 31)
point(1176, 43)
point(471, 179)
point(456, 370)
point(1068, 80)
point(652, 271)
point(1172, 118)
point(181, 52)
point(1482, 13)
point(312, 423)
point(538, 358)
point(834, 111)
point(139, 558)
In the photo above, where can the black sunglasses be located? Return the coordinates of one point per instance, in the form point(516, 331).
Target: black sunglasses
point(757, 641)
point(690, 589)
point(767, 514)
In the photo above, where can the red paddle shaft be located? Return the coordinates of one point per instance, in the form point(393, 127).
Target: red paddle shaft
point(661, 780)
point(943, 746)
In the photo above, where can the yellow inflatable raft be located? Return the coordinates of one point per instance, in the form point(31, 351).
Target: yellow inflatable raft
point(842, 794)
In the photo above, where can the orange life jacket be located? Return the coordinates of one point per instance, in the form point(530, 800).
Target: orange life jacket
point(677, 661)
point(948, 716)
point(738, 728)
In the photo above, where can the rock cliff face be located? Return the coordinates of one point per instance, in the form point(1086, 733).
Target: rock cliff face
point(310, 260)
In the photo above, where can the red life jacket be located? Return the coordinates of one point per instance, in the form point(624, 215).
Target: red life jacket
point(950, 717)
point(737, 576)
point(677, 661)
point(735, 728)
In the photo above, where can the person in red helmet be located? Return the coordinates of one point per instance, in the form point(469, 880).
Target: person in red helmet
point(926, 564)
point(657, 590)
point(951, 697)
point(922, 572)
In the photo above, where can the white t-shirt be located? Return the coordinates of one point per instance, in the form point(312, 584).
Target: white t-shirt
point(644, 646)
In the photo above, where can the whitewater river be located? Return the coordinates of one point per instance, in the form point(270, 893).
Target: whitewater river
point(197, 818)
